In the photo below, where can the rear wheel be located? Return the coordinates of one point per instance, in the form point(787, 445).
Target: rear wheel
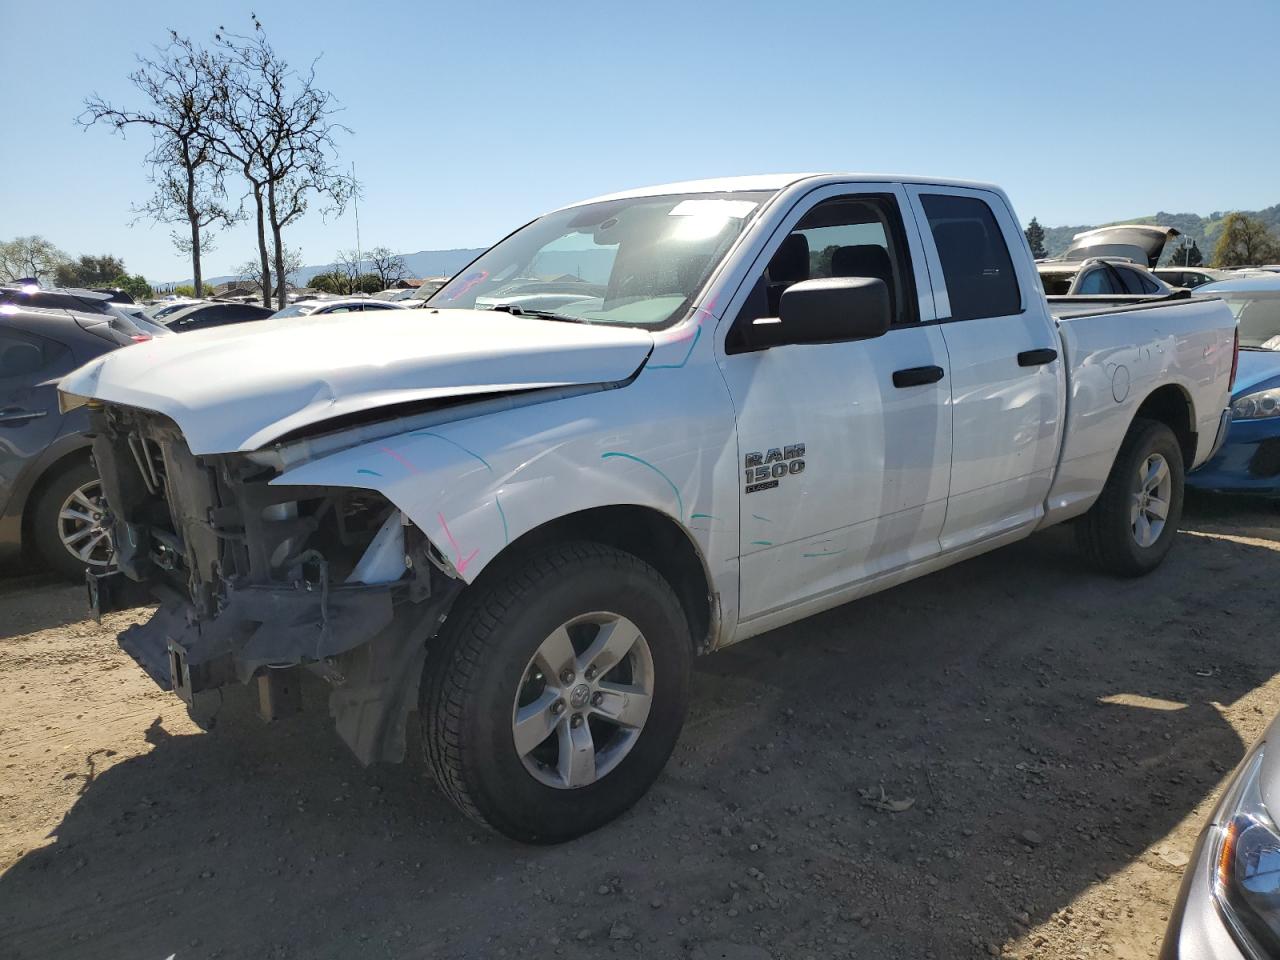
point(556, 691)
point(1131, 527)
point(68, 526)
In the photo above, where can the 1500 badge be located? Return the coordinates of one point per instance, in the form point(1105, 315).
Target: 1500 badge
point(764, 470)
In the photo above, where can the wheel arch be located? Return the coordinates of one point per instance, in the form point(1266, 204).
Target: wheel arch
point(47, 473)
point(1172, 405)
point(644, 532)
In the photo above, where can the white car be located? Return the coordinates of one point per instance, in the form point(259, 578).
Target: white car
point(779, 394)
point(317, 307)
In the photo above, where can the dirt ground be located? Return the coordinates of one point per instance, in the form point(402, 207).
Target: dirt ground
point(1061, 736)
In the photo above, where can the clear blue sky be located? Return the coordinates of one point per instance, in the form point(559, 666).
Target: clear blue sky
point(470, 118)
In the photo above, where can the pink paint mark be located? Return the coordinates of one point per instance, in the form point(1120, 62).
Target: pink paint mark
point(403, 462)
point(460, 562)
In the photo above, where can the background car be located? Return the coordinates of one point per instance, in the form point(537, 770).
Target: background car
point(1100, 276)
point(310, 308)
point(50, 496)
point(1249, 461)
point(165, 308)
point(213, 313)
point(1228, 907)
point(1189, 277)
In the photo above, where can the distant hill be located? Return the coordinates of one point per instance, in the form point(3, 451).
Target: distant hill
point(1203, 230)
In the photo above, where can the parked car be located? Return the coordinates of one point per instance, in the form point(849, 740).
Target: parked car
point(1228, 907)
point(213, 313)
point(50, 495)
point(791, 392)
point(1109, 261)
point(166, 308)
point(426, 290)
point(1100, 277)
point(1189, 277)
point(311, 308)
point(1249, 461)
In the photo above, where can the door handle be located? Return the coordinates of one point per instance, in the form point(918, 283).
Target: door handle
point(1035, 358)
point(18, 415)
point(917, 376)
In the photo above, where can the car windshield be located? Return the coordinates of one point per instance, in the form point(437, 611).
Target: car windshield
point(294, 310)
point(638, 261)
point(1258, 313)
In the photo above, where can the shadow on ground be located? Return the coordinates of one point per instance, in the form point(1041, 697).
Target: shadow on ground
point(1047, 723)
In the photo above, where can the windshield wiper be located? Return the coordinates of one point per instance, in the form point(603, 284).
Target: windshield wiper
point(518, 311)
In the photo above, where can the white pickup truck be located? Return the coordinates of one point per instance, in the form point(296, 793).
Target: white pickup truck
point(639, 428)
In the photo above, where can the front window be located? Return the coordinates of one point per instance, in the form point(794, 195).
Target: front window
point(638, 261)
point(1258, 313)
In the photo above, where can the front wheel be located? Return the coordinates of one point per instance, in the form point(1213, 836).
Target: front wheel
point(1132, 525)
point(556, 691)
point(68, 525)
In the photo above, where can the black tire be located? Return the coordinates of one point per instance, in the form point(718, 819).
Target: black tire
point(477, 663)
point(44, 528)
point(1105, 533)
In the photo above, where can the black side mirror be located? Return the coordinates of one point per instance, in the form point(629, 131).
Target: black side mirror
point(832, 310)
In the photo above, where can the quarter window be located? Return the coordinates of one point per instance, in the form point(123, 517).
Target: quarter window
point(976, 266)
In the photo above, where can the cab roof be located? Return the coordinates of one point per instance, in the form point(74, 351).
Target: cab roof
point(775, 182)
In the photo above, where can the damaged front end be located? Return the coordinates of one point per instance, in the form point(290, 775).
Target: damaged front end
point(257, 582)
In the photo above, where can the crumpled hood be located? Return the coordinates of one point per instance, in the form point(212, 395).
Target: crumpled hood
point(1258, 370)
point(241, 386)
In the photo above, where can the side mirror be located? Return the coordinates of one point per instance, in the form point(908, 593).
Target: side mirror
point(832, 310)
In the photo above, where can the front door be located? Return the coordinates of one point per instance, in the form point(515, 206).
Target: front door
point(843, 471)
point(29, 419)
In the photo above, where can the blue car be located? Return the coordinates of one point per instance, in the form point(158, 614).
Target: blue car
point(1249, 461)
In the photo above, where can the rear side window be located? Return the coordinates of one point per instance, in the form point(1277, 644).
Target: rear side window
point(976, 266)
point(1097, 282)
point(26, 357)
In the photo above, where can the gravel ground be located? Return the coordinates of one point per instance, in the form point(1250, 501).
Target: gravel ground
point(1009, 758)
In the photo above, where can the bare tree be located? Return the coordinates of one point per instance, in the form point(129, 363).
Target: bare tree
point(183, 84)
point(389, 266)
point(290, 262)
point(32, 256)
point(278, 127)
point(347, 265)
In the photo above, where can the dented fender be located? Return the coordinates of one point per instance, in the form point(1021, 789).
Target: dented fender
point(475, 485)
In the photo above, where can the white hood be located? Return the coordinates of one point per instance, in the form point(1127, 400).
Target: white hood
point(241, 386)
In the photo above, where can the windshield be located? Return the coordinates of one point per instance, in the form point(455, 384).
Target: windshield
point(294, 310)
point(637, 261)
point(1258, 313)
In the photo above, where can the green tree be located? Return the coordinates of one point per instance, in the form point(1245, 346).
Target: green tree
point(136, 286)
point(331, 282)
point(367, 283)
point(183, 290)
point(32, 256)
point(1035, 237)
point(1244, 240)
point(90, 271)
point(1186, 254)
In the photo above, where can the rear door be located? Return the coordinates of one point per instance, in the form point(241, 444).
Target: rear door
point(29, 420)
point(843, 471)
point(1006, 377)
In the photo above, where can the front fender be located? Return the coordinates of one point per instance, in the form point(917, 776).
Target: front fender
point(474, 486)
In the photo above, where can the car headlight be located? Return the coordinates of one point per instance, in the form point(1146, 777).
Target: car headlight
point(1246, 865)
point(1257, 406)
